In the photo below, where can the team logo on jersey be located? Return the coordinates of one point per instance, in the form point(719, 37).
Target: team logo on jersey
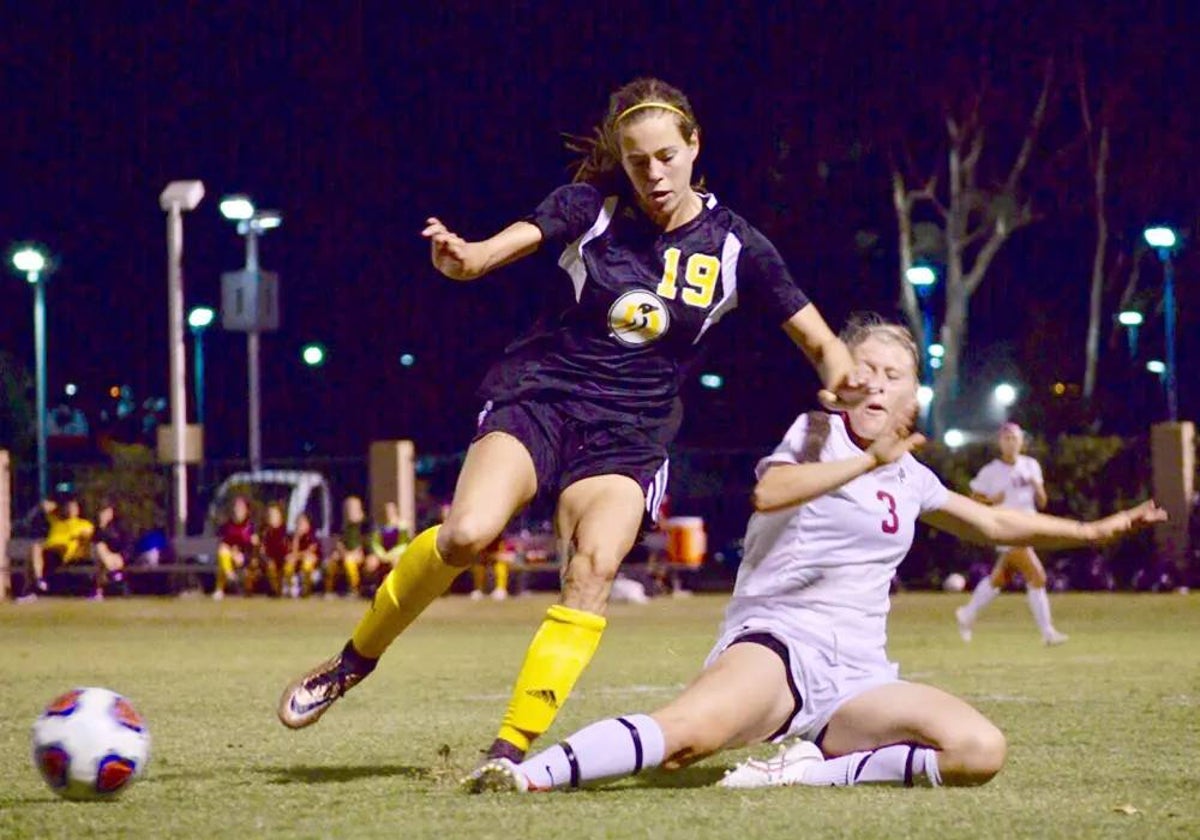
point(638, 317)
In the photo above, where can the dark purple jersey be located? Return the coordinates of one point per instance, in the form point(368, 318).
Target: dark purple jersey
point(645, 299)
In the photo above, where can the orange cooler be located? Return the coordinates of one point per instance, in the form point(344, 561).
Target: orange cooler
point(686, 540)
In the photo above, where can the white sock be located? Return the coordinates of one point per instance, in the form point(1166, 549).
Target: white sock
point(903, 764)
point(983, 595)
point(1039, 605)
point(613, 747)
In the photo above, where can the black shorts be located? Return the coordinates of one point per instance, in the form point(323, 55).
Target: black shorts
point(567, 448)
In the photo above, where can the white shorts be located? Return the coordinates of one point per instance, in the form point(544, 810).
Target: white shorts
point(823, 679)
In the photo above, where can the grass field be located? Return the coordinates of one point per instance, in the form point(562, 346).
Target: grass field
point(1104, 725)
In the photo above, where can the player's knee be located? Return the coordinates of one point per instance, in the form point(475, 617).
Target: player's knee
point(463, 537)
point(981, 753)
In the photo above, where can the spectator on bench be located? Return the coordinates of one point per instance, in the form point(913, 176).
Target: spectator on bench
point(110, 547)
point(350, 553)
point(304, 559)
point(238, 542)
point(67, 541)
point(274, 547)
point(388, 542)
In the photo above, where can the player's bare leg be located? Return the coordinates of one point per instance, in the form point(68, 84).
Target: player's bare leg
point(872, 738)
point(497, 479)
point(1026, 561)
point(599, 517)
point(986, 591)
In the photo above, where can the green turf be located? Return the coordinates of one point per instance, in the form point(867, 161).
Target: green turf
point(1111, 719)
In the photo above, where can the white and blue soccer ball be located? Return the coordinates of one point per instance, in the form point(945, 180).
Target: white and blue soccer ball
point(90, 743)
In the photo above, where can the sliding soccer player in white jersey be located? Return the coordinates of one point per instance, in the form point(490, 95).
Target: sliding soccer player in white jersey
point(801, 655)
point(1011, 481)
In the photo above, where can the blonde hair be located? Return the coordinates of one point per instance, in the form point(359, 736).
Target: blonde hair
point(865, 325)
point(600, 161)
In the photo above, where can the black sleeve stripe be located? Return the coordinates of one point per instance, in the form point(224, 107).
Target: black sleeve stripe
point(637, 744)
point(573, 761)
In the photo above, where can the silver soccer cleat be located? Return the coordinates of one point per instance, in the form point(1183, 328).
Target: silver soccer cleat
point(786, 768)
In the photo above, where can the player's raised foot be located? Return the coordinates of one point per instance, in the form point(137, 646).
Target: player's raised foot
point(497, 775)
point(309, 696)
point(786, 768)
point(1054, 638)
point(965, 623)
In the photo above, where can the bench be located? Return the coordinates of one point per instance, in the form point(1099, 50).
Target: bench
point(195, 560)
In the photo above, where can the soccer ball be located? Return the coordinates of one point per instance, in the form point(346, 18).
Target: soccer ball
point(90, 743)
point(954, 582)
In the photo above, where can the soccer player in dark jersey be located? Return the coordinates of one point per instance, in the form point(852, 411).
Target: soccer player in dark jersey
point(238, 541)
point(581, 409)
point(274, 548)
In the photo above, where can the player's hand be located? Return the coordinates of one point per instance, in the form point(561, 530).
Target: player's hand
point(1128, 522)
point(845, 391)
point(893, 445)
point(452, 255)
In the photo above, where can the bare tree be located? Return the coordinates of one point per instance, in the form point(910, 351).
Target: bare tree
point(977, 218)
point(1096, 140)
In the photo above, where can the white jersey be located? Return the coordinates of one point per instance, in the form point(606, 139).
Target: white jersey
point(824, 568)
point(1018, 482)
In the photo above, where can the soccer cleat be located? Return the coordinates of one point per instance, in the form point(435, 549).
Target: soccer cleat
point(1054, 638)
point(786, 768)
point(499, 594)
point(309, 696)
point(218, 595)
point(965, 623)
point(497, 775)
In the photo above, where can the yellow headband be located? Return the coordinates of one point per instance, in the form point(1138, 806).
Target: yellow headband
point(664, 105)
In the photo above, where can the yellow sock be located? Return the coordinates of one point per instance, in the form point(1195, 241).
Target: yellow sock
point(419, 577)
point(478, 576)
point(224, 567)
point(560, 651)
point(352, 573)
point(500, 570)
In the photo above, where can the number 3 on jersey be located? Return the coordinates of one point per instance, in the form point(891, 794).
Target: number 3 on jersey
point(892, 524)
point(699, 278)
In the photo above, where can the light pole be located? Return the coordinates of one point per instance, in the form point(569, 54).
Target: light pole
point(923, 279)
point(199, 319)
point(251, 223)
point(1131, 319)
point(1163, 240)
point(176, 198)
point(32, 263)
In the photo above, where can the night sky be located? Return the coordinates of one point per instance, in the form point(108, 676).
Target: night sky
point(359, 120)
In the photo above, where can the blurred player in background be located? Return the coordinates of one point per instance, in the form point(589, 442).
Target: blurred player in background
point(237, 543)
point(1013, 481)
point(350, 552)
point(273, 548)
point(801, 654)
point(304, 558)
point(581, 409)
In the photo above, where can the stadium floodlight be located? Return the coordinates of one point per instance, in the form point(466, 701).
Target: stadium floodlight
point(237, 207)
point(32, 262)
point(712, 381)
point(1130, 318)
point(407, 360)
point(201, 317)
point(937, 351)
point(920, 276)
point(313, 354)
point(954, 438)
point(1156, 366)
point(924, 396)
point(1004, 394)
point(266, 220)
point(1160, 237)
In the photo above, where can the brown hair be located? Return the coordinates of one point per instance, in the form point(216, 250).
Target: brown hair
point(864, 325)
point(600, 162)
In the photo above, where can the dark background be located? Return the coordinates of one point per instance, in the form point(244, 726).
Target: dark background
point(359, 120)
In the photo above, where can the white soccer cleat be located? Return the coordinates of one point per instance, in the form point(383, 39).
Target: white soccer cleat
point(965, 623)
point(499, 594)
point(497, 775)
point(786, 768)
point(1054, 638)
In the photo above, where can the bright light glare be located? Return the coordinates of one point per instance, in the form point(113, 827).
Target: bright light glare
point(936, 351)
point(935, 363)
point(408, 359)
point(237, 208)
point(1156, 366)
point(29, 260)
point(313, 355)
point(1004, 394)
point(920, 275)
point(924, 396)
point(267, 219)
point(1129, 318)
point(71, 390)
point(954, 438)
point(712, 380)
point(200, 317)
point(1159, 237)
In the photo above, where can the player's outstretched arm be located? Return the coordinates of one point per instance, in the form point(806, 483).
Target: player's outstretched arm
point(973, 522)
point(785, 485)
point(829, 355)
point(459, 259)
